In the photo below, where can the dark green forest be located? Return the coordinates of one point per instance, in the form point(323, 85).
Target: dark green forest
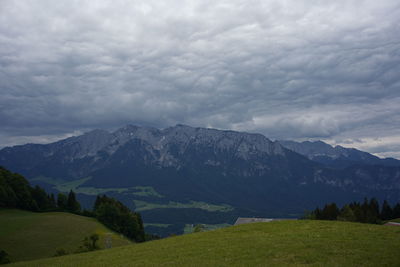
point(367, 212)
point(116, 216)
point(17, 193)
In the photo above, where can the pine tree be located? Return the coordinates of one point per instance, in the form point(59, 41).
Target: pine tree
point(347, 214)
point(62, 202)
point(358, 211)
point(72, 204)
point(396, 211)
point(317, 214)
point(387, 212)
point(330, 212)
point(41, 198)
point(372, 215)
point(52, 201)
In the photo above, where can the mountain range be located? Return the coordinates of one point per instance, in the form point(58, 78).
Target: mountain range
point(338, 156)
point(181, 175)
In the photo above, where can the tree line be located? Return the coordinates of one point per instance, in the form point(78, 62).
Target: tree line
point(16, 192)
point(116, 216)
point(368, 211)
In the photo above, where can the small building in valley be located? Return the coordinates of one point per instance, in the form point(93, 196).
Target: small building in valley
point(242, 220)
point(392, 223)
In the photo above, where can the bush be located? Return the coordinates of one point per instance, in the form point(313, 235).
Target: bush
point(89, 243)
point(4, 258)
point(60, 252)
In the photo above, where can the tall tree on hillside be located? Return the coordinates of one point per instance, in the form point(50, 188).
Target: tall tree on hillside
point(316, 214)
point(347, 214)
point(72, 204)
point(372, 211)
point(387, 212)
point(42, 199)
point(62, 201)
point(330, 212)
point(358, 211)
point(52, 201)
point(396, 211)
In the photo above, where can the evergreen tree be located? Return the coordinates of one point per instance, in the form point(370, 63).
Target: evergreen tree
point(387, 212)
point(41, 198)
point(358, 212)
point(396, 211)
point(347, 214)
point(317, 214)
point(72, 204)
point(4, 258)
point(52, 201)
point(62, 201)
point(330, 212)
point(365, 208)
point(372, 212)
point(367, 212)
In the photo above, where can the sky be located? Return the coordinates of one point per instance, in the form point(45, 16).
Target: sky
point(300, 69)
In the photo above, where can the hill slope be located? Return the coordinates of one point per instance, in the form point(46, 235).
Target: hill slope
point(321, 243)
point(27, 235)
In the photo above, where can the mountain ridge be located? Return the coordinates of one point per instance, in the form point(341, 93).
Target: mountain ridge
point(173, 170)
point(336, 156)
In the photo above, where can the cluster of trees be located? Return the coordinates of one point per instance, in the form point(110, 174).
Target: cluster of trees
point(119, 218)
point(89, 243)
point(367, 212)
point(4, 258)
point(16, 192)
point(68, 203)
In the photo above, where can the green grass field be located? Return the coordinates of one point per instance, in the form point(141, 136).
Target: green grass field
point(283, 243)
point(27, 235)
point(144, 205)
point(66, 186)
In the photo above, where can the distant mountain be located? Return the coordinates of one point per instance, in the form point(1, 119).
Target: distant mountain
point(338, 156)
point(183, 175)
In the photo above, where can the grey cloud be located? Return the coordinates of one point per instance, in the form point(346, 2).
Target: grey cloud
point(288, 69)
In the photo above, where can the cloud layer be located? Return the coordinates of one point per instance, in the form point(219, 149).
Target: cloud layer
point(288, 69)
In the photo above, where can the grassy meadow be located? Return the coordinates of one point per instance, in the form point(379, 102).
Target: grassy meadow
point(282, 243)
point(28, 235)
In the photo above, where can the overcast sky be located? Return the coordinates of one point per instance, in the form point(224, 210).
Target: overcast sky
point(301, 70)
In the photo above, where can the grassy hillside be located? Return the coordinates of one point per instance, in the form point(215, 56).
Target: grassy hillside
point(284, 243)
point(27, 235)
